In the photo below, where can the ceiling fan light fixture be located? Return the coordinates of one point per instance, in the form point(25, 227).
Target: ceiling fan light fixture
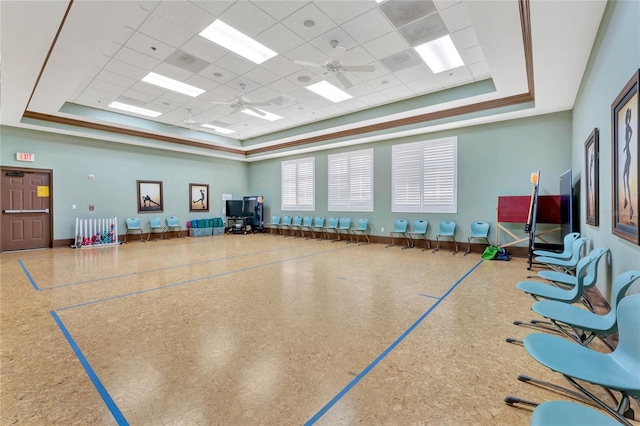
point(171, 84)
point(440, 54)
point(329, 91)
point(218, 129)
point(267, 115)
point(230, 38)
point(134, 109)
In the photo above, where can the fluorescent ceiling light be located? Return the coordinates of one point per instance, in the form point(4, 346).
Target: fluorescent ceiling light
point(237, 42)
point(171, 84)
point(134, 109)
point(329, 91)
point(440, 54)
point(219, 129)
point(267, 115)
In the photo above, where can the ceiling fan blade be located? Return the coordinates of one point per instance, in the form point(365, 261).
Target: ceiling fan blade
point(257, 111)
point(338, 53)
point(344, 80)
point(308, 64)
point(221, 103)
point(257, 103)
point(360, 68)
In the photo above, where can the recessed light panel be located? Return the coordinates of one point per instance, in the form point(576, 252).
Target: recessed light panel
point(329, 91)
point(267, 115)
point(218, 129)
point(440, 55)
point(237, 42)
point(134, 109)
point(171, 84)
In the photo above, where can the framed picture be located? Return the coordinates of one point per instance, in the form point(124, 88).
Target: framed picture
point(149, 196)
point(592, 170)
point(198, 197)
point(625, 171)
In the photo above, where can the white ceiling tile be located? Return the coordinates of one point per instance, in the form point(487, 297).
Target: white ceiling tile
point(150, 89)
point(202, 82)
point(357, 56)
point(279, 9)
point(374, 99)
point(215, 8)
point(203, 48)
point(222, 94)
point(105, 96)
point(386, 45)
point(261, 76)
point(164, 31)
point(172, 71)
point(307, 53)
point(472, 55)
point(322, 23)
point(369, 26)
point(454, 77)
point(361, 89)
point(107, 86)
point(149, 5)
point(247, 18)
point(125, 69)
point(341, 11)
point(141, 96)
point(284, 86)
point(396, 93)
point(279, 38)
point(149, 46)
point(217, 74)
point(456, 17)
point(323, 41)
point(115, 78)
point(480, 70)
point(417, 72)
point(464, 38)
point(184, 14)
point(236, 64)
point(281, 66)
point(264, 94)
point(424, 85)
point(444, 4)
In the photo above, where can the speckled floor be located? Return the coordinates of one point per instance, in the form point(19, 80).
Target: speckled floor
point(260, 329)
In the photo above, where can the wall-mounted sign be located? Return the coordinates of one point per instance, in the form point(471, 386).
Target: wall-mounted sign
point(25, 156)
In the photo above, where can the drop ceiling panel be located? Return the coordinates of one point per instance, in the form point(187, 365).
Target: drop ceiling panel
point(403, 12)
point(386, 45)
point(368, 26)
point(456, 17)
point(133, 72)
point(279, 9)
point(184, 14)
point(321, 22)
point(247, 18)
point(203, 48)
point(342, 11)
point(160, 29)
point(149, 46)
point(279, 38)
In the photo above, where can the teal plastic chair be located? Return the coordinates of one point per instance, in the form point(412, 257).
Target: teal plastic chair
point(307, 222)
point(285, 225)
point(568, 413)
point(318, 227)
point(565, 265)
point(361, 229)
point(133, 227)
point(344, 227)
point(567, 251)
point(399, 231)
point(332, 227)
point(296, 224)
point(582, 325)
point(616, 371)
point(419, 232)
point(156, 227)
point(173, 225)
point(274, 225)
point(447, 230)
point(479, 231)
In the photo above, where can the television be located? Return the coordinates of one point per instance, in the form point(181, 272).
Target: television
point(566, 204)
point(249, 208)
point(234, 208)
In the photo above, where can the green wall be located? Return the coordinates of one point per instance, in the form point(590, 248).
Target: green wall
point(493, 159)
point(116, 168)
point(614, 59)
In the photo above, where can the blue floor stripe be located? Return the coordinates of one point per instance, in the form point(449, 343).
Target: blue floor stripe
point(386, 352)
point(24, 269)
point(428, 295)
point(115, 411)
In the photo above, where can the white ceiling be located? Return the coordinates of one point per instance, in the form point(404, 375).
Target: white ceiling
point(57, 67)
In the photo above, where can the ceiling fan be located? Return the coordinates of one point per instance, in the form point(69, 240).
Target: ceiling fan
point(189, 123)
point(334, 65)
point(242, 102)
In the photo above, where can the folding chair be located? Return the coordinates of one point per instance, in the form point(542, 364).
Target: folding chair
point(447, 230)
point(173, 225)
point(344, 227)
point(317, 227)
point(332, 226)
point(567, 251)
point(274, 225)
point(615, 372)
point(361, 229)
point(285, 225)
point(156, 227)
point(399, 231)
point(307, 221)
point(564, 265)
point(296, 224)
point(133, 227)
point(419, 232)
point(568, 413)
point(479, 231)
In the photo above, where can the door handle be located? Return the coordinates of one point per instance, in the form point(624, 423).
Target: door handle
point(25, 211)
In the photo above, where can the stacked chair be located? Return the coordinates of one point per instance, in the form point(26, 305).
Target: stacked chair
point(564, 348)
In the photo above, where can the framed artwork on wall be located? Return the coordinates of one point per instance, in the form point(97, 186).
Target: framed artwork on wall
point(625, 169)
point(198, 197)
point(592, 173)
point(149, 196)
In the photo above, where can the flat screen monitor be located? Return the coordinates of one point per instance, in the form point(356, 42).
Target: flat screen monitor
point(234, 208)
point(566, 203)
point(249, 208)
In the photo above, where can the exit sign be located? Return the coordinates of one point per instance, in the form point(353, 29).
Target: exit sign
point(25, 156)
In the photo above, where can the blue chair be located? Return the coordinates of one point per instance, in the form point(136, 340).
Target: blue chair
point(285, 225)
point(361, 229)
point(274, 225)
point(419, 232)
point(296, 224)
point(399, 231)
point(568, 413)
point(318, 227)
point(567, 251)
point(565, 265)
point(479, 231)
point(173, 225)
point(331, 227)
point(616, 371)
point(447, 230)
point(133, 227)
point(307, 222)
point(344, 227)
point(156, 227)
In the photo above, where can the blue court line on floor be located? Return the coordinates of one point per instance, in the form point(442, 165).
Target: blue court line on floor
point(180, 283)
point(115, 411)
point(24, 269)
point(428, 295)
point(380, 357)
point(53, 287)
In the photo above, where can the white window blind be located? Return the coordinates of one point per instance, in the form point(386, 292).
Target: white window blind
point(350, 185)
point(424, 176)
point(298, 184)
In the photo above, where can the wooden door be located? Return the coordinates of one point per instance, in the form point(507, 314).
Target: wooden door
point(26, 217)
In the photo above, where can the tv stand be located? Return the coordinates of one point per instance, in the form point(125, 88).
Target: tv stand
point(239, 225)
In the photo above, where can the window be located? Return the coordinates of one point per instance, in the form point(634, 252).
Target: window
point(351, 181)
point(424, 176)
point(298, 184)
